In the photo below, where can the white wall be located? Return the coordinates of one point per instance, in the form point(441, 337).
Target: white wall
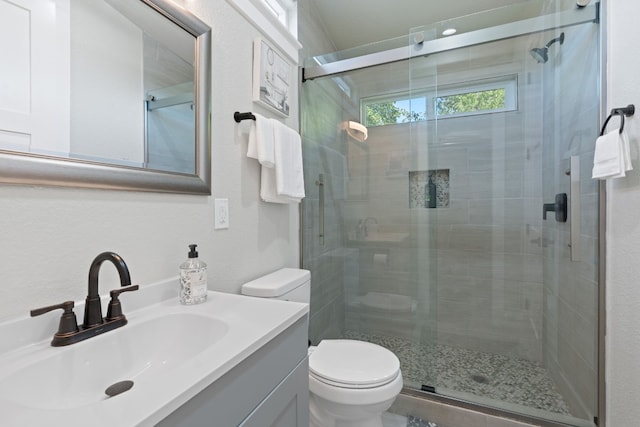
point(50, 236)
point(623, 225)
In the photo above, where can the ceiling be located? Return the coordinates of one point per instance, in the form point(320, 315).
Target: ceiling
point(352, 23)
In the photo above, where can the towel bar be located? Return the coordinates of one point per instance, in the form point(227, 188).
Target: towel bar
point(238, 116)
point(628, 111)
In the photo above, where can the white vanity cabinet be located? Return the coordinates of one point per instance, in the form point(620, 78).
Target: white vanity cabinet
point(270, 388)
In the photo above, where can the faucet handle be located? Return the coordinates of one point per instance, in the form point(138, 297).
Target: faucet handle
point(68, 323)
point(114, 311)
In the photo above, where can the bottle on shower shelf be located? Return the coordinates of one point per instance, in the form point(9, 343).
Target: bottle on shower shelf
point(430, 194)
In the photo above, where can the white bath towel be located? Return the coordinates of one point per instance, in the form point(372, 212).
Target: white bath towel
point(612, 156)
point(288, 159)
point(279, 151)
point(261, 142)
point(268, 191)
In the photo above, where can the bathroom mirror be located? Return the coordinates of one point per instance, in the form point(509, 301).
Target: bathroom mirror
point(111, 94)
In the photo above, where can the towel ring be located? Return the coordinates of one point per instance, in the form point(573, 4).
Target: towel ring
point(627, 111)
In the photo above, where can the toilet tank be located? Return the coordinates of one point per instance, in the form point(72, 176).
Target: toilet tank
point(289, 284)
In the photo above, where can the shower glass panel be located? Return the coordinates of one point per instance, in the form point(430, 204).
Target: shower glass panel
point(169, 119)
point(433, 241)
point(367, 269)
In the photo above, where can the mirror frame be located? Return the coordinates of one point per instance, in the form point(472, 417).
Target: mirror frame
point(35, 169)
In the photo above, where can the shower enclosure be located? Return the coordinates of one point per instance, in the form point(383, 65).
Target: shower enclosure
point(462, 233)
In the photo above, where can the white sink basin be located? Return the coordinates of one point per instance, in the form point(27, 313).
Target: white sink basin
point(79, 374)
point(171, 353)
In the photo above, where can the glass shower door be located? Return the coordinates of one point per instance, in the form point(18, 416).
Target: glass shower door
point(516, 295)
point(370, 268)
point(485, 165)
point(570, 119)
point(428, 237)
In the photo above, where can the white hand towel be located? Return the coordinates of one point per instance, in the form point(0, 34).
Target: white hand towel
point(288, 157)
point(612, 157)
point(626, 151)
point(268, 188)
point(261, 141)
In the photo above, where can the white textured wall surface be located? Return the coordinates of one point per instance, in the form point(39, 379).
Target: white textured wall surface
point(623, 226)
point(51, 235)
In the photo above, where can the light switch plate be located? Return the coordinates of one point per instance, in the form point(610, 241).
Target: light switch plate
point(221, 214)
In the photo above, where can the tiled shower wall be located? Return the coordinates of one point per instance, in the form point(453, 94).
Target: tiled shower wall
point(472, 268)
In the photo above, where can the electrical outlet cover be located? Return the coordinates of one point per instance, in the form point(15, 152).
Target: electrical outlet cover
point(221, 214)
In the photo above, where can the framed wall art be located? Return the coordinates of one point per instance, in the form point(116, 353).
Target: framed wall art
point(271, 78)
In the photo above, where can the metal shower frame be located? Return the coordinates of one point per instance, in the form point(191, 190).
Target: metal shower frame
point(429, 47)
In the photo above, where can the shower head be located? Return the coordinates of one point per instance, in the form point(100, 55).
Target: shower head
point(541, 54)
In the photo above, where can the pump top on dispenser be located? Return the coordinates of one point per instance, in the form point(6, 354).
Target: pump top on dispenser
point(193, 279)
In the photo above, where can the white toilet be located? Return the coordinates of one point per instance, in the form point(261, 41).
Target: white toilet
point(351, 383)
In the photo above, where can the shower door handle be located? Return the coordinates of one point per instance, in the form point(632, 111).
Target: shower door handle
point(548, 207)
point(559, 207)
point(574, 218)
point(320, 184)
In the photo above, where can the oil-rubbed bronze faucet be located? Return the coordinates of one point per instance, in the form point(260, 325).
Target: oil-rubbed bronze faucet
point(94, 324)
point(92, 306)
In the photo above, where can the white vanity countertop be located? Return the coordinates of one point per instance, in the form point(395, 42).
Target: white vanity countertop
point(161, 349)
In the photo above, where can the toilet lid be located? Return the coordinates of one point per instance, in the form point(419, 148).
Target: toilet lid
point(350, 363)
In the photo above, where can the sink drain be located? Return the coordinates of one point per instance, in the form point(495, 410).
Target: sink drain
point(119, 387)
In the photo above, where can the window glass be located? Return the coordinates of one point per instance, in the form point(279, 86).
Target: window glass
point(277, 10)
point(479, 97)
point(485, 100)
point(392, 110)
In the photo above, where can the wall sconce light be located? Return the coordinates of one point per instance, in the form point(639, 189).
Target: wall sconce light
point(357, 131)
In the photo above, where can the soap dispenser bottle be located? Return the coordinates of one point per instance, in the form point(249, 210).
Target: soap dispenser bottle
point(193, 279)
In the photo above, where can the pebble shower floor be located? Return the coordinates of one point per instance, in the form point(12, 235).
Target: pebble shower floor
point(497, 377)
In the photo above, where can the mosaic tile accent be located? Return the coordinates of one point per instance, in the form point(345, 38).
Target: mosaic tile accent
point(492, 376)
point(417, 422)
point(418, 180)
point(393, 420)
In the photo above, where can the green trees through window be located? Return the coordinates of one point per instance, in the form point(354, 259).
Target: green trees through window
point(384, 113)
point(486, 100)
point(475, 98)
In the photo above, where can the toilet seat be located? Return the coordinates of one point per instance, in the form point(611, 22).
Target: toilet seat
point(353, 364)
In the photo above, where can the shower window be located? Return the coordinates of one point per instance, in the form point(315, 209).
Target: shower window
point(487, 96)
point(470, 102)
point(392, 109)
point(478, 97)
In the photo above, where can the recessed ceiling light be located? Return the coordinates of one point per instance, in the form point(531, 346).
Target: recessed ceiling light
point(449, 32)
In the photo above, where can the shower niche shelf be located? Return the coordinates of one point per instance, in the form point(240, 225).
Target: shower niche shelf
point(421, 189)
